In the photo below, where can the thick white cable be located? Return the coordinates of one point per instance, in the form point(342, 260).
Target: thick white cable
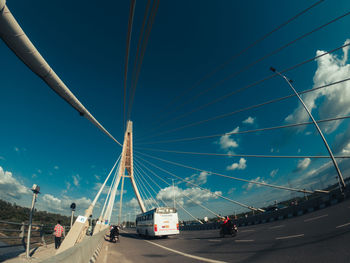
point(238, 179)
point(107, 196)
point(108, 212)
point(247, 131)
point(15, 38)
point(162, 198)
point(247, 155)
point(103, 185)
point(199, 204)
point(145, 196)
point(142, 180)
point(207, 190)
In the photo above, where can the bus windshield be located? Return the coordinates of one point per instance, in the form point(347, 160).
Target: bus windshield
point(165, 210)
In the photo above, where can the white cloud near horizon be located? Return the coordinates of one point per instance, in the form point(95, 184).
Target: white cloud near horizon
point(13, 189)
point(196, 194)
point(332, 101)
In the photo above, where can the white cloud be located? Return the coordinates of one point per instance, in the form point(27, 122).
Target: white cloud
point(241, 165)
point(198, 179)
point(62, 204)
point(249, 120)
point(2, 158)
point(196, 194)
point(303, 164)
point(16, 149)
point(342, 143)
point(56, 167)
point(97, 177)
point(250, 185)
point(11, 188)
point(34, 175)
point(76, 180)
point(274, 172)
point(329, 102)
point(227, 142)
point(231, 190)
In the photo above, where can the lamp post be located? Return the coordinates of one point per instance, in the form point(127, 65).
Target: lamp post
point(36, 191)
point(173, 191)
point(72, 206)
point(340, 176)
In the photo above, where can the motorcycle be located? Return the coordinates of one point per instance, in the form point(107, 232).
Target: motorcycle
point(228, 229)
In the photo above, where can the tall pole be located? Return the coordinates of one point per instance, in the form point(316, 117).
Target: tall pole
point(340, 176)
point(35, 190)
point(173, 192)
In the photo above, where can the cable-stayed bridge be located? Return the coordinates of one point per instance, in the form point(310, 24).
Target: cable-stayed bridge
point(149, 171)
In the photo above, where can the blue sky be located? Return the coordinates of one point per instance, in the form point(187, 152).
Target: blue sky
point(45, 141)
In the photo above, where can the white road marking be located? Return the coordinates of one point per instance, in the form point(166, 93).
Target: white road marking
point(287, 237)
point(343, 225)
point(185, 254)
point(275, 227)
point(244, 240)
point(248, 230)
point(315, 218)
point(214, 240)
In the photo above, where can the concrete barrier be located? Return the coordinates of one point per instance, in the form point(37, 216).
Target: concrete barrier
point(307, 206)
point(80, 253)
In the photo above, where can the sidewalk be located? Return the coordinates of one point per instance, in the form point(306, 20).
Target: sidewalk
point(37, 254)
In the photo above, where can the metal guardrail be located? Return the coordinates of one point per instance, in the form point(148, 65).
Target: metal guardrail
point(14, 234)
point(304, 207)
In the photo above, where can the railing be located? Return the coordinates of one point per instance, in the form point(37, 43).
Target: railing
point(14, 234)
point(315, 203)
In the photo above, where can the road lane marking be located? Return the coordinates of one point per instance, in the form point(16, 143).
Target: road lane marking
point(248, 230)
point(244, 240)
point(315, 218)
point(214, 240)
point(185, 254)
point(343, 225)
point(275, 227)
point(287, 237)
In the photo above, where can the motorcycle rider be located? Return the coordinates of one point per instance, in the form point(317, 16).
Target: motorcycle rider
point(113, 233)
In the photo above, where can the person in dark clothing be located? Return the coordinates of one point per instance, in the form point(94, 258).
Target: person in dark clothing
point(114, 233)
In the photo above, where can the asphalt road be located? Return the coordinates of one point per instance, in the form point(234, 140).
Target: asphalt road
point(321, 236)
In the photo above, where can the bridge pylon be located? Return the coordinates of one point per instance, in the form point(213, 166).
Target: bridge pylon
point(78, 230)
point(127, 163)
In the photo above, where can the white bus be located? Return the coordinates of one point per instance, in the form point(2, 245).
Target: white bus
point(161, 221)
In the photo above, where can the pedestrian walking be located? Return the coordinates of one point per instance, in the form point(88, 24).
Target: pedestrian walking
point(58, 232)
point(42, 235)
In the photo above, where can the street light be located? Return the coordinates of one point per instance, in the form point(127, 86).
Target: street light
point(72, 206)
point(36, 190)
point(340, 177)
point(172, 179)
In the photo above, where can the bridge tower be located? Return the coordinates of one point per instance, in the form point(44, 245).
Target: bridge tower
point(78, 230)
point(127, 163)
